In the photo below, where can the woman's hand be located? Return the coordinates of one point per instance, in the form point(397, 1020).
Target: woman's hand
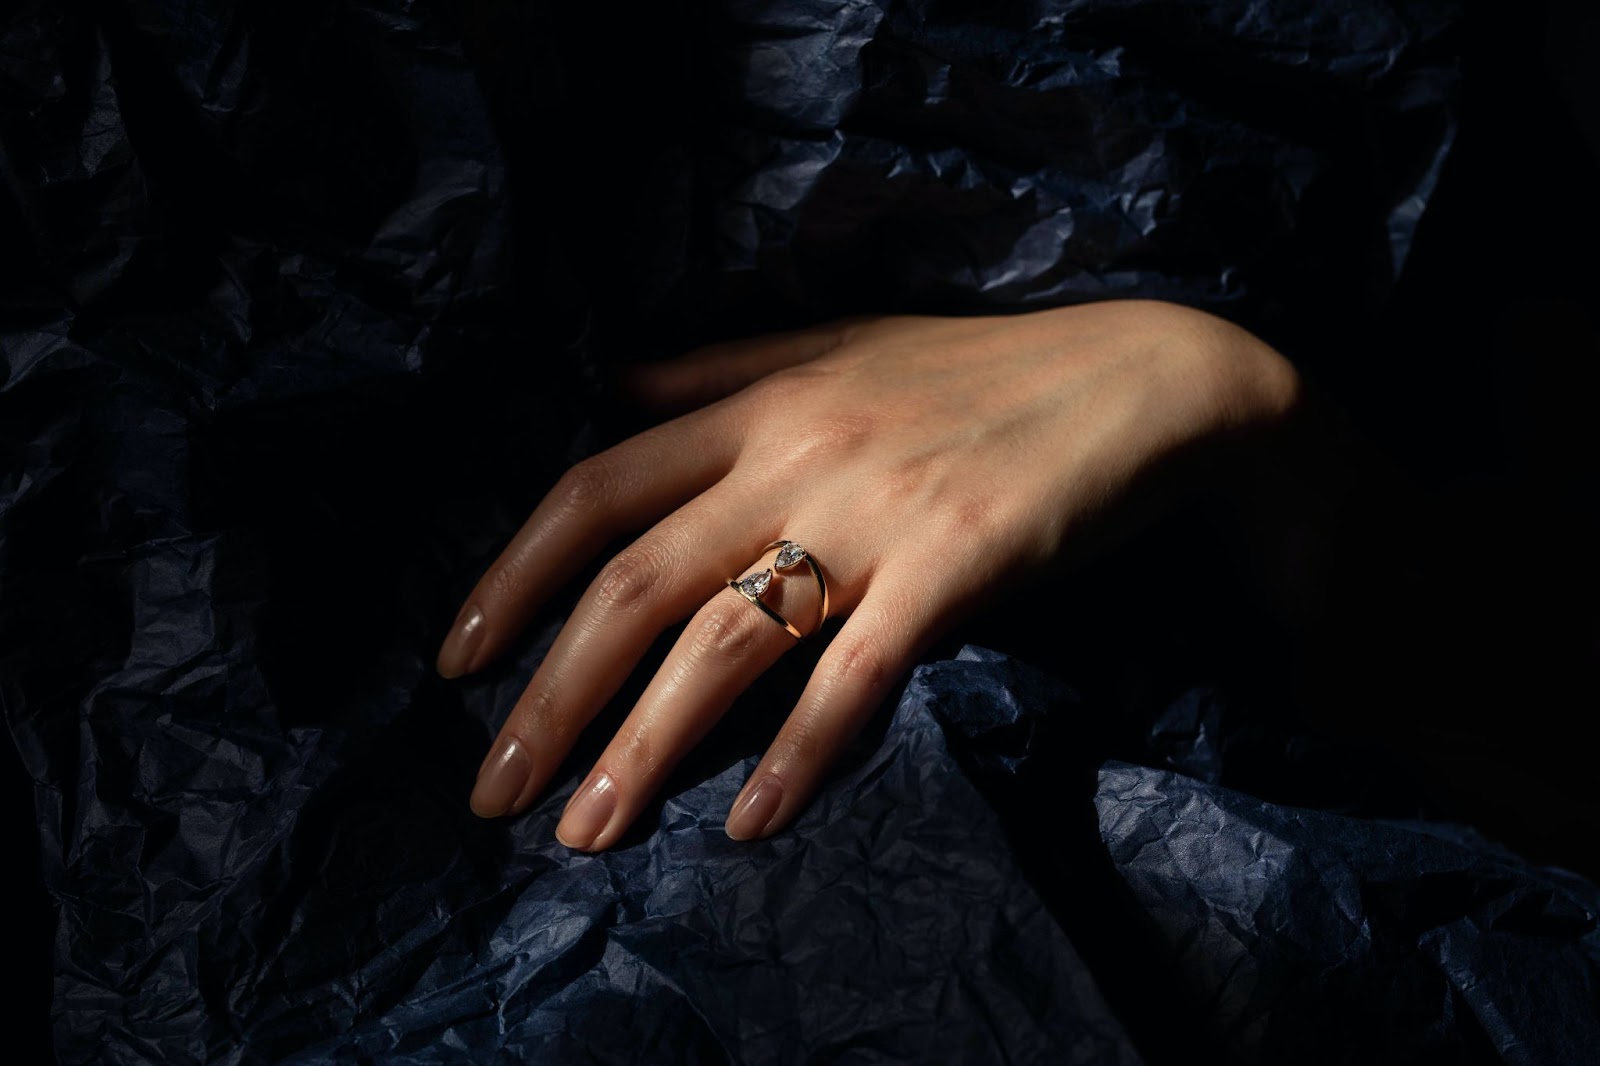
point(923, 461)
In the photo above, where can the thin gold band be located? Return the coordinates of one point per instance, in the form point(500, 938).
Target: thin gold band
point(774, 615)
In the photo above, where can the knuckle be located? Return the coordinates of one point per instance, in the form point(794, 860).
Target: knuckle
point(857, 663)
point(759, 410)
point(586, 486)
point(505, 583)
point(627, 580)
point(837, 433)
point(972, 515)
point(537, 721)
point(828, 438)
point(637, 750)
point(726, 630)
point(777, 389)
point(804, 741)
point(913, 480)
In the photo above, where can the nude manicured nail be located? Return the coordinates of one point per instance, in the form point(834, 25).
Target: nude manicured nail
point(455, 655)
point(501, 779)
point(751, 814)
point(586, 816)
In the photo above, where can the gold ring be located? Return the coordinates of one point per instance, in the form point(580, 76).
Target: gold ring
point(753, 585)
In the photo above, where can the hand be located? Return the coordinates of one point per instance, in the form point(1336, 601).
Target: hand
point(924, 461)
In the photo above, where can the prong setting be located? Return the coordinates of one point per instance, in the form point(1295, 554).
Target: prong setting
point(754, 585)
point(788, 555)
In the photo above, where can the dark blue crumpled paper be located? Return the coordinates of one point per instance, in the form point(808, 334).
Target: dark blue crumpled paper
point(1294, 935)
point(890, 917)
point(1268, 160)
point(890, 923)
point(1311, 935)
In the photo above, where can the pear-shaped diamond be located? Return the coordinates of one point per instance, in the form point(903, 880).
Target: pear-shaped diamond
point(754, 585)
point(788, 555)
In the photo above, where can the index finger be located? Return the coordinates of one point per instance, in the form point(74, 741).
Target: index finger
point(626, 487)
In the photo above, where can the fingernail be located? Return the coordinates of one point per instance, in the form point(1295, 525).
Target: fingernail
point(755, 809)
point(455, 655)
point(588, 813)
point(501, 779)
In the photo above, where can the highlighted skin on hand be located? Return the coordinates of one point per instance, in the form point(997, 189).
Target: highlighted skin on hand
point(1002, 439)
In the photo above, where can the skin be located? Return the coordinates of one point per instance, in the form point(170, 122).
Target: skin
point(1002, 439)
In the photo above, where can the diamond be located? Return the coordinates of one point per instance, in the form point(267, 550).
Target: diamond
point(754, 585)
point(788, 555)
